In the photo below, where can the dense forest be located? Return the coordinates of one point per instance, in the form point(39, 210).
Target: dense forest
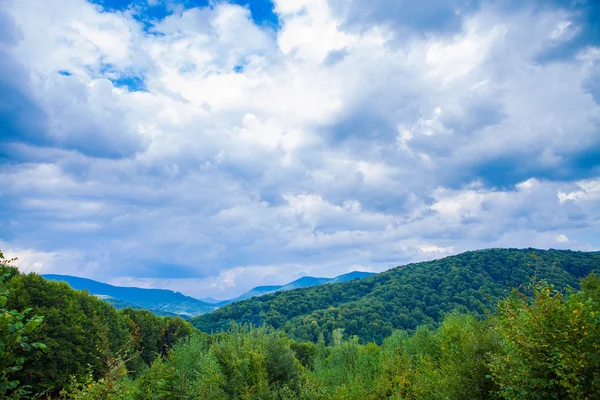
point(537, 341)
point(76, 333)
point(405, 297)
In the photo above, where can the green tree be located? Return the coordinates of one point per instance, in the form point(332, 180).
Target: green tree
point(15, 329)
point(550, 343)
point(305, 353)
point(190, 371)
point(79, 330)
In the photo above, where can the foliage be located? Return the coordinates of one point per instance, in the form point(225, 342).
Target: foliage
point(80, 333)
point(405, 297)
point(551, 344)
point(153, 336)
point(305, 353)
point(114, 385)
point(77, 330)
point(539, 343)
point(190, 371)
point(15, 329)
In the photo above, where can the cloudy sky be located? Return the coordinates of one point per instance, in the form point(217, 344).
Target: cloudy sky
point(211, 146)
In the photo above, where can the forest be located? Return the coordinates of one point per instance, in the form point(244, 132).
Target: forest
point(510, 324)
point(407, 296)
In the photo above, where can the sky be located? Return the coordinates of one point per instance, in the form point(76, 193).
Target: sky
point(210, 146)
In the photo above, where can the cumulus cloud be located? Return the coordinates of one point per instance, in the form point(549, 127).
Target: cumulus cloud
point(206, 151)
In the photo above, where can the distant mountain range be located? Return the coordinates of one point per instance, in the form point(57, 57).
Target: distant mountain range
point(159, 301)
point(167, 302)
point(304, 282)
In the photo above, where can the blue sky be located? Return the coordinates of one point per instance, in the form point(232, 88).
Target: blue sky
point(210, 146)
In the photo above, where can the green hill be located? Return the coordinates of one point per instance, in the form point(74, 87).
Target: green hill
point(159, 301)
point(407, 296)
point(120, 304)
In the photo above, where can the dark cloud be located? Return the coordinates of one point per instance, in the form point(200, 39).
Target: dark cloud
point(505, 171)
point(585, 18)
point(592, 83)
point(406, 16)
point(478, 115)
point(335, 56)
point(88, 120)
point(62, 117)
point(21, 117)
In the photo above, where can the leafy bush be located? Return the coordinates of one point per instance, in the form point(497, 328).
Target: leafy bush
point(15, 342)
point(550, 343)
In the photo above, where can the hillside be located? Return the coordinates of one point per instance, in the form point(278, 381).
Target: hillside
point(78, 332)
point(120, 304)
point(166, 302)
point(67, 343)
point(407, 296)
point(159, 301)
point(304, 282)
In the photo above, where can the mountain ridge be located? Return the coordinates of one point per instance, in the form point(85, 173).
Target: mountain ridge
point(302, 282)
point(156, 300)
point(406, 296)
point(166, 302)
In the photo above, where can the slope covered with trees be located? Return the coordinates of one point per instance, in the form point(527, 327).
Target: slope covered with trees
point(405, 297)
point(538, 343)
point(513, 354)
point(81, 333)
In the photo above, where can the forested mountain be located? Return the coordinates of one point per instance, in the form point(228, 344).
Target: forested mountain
point(166, 302)
point(304, 282)
point(120, 304)
point(59, 343)
point(407, 296)
point(159, 301)
point(538, 343)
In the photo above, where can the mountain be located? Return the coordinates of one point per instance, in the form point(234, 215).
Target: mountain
point(257, 291)
point(120, 304)
point(210, 300)
point(351, 276)
point(159, 301)
point(407, 296)
point(166, 302)
point(304, 282)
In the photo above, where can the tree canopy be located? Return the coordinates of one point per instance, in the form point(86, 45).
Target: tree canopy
point(405, 297)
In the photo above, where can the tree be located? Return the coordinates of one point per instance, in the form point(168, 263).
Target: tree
point(15, 329)
point(551, 344)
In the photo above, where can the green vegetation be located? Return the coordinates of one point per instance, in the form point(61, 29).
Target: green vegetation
point(405, 297)
point(14, 330)
point(511, 355)
point(539, 342)
point(82, 335)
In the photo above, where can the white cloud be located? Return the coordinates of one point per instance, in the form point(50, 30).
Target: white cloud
point(587, 190)
point(256, 155)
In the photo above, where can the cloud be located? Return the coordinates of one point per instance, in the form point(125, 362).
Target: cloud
point(20, 115)
point(407, 17)
point(202, 149)
point(62, 102)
